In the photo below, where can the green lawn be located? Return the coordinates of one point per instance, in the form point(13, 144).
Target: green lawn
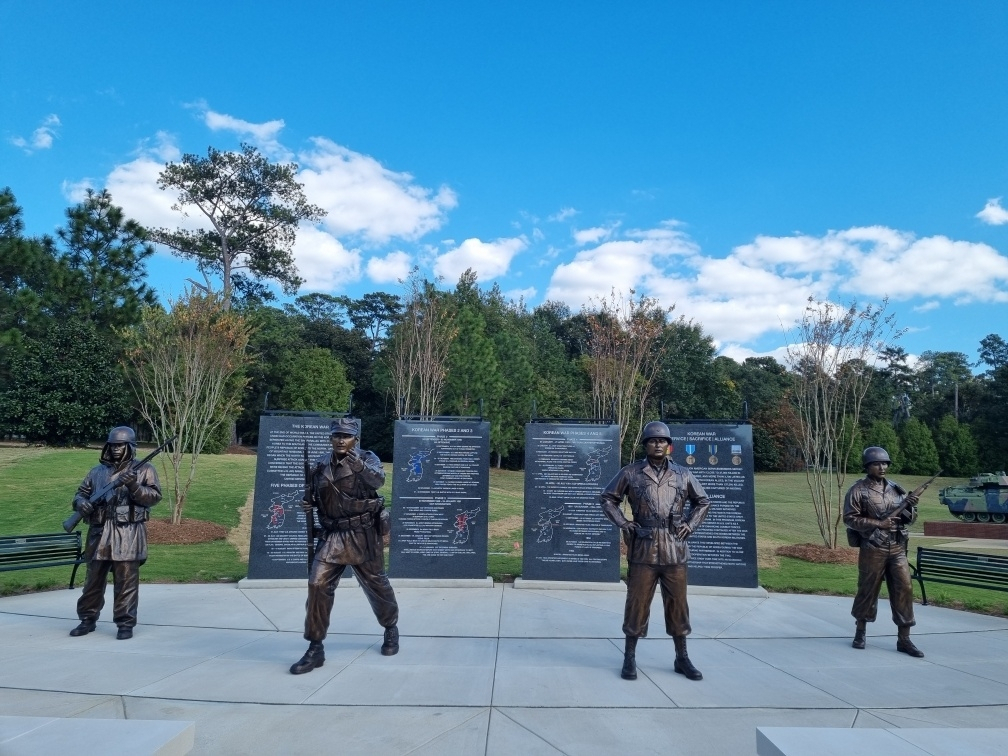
point(37, 485)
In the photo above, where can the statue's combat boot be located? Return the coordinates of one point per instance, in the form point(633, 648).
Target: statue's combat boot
point(683, 665)
point(859, 635)
point(85, 627)
point(391, 645)
point(629, 671)
point(905, 645)
point(313, 657)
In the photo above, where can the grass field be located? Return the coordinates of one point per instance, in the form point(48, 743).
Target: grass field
point(37, 485)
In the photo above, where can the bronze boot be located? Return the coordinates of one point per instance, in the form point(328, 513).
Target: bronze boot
point(859, 635)
point(905, 645)
point(85, 627)
point(683, 665)
point(629, 671)
point(313, 657)
point(391, 645)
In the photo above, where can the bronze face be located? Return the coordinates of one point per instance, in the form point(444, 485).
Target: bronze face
point(656, 450)
point(117, 452)
point(877, 470)
point(342, 444)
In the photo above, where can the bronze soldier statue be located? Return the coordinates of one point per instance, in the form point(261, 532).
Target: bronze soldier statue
point(869, 509)
point(658, 491)
point(117, 532)
point(344, 487)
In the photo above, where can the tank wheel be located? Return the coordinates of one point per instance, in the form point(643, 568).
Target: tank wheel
point(969, 516)
point(998, 518)
point(983, 517)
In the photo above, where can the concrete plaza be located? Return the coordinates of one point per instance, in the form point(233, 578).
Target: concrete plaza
point(495, 670)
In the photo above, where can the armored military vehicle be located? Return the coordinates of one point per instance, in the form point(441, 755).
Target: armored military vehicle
point(985, 499)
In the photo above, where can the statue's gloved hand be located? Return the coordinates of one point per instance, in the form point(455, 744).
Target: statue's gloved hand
point(629, 527)
point(354, 460)
point(84, 507)
point(683, 532)
point(306, 506)
point(129, 480)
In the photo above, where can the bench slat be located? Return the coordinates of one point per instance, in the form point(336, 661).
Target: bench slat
point(960, 568)
point(22, 552)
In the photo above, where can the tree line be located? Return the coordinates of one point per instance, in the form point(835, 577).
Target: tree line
point(79, 323)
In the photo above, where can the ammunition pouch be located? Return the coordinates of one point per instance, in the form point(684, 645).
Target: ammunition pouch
point(364, 521)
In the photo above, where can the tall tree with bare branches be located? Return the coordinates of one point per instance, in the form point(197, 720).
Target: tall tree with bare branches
point(185, 368)
point(417, 353)
point(625, 348)
point(833, 352)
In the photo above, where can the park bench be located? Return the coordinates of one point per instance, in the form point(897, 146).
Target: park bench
point(960, 568)
point(23, 552)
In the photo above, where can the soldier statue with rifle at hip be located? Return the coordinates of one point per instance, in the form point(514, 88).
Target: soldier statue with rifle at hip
point(343, 486)
point(877, 514)
point(115, 499)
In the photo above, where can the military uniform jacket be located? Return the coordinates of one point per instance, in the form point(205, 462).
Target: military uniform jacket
point(349, 509)
point(867, 502)
point(659, 502)
point(120, 523)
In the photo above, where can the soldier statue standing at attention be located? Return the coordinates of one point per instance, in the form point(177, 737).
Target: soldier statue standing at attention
point(658, 491)
point(344, 487)
point(870, 516)
point(117, 532)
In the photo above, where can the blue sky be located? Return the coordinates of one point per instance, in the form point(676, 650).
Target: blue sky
point(731, 158)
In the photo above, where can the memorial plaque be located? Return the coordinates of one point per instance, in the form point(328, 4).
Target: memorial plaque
point(723, 549)
point(278, 548)
point(567, 537)
point(440, 498)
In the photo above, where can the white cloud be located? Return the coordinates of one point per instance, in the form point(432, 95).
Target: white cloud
point(262, 135)
point(323, 262)
point(41, 138)
point(593, 235)
point(927, 306)
point(566, 213)
point(488, 259)
point(133, 186)
point(365, 199)
point(993, 214)
point(516, 295)
point(623, 264)
point(395, 266)
point(76, 191)
point(762, 287)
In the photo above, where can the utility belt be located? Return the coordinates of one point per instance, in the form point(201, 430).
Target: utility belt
point(364, 521)
point(646, 526)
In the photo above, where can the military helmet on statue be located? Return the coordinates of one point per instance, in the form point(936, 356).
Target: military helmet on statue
point(657, 429)
point(874, 454)
point(122, 435)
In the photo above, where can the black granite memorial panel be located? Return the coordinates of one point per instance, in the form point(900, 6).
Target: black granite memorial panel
point(440, 497)
point(278, 548)
point(723, 549)
point(567, 537)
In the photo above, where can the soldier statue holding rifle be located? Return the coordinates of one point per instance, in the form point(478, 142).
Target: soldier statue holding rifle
point(877, 513)
point(115, 499)
point(343, 486)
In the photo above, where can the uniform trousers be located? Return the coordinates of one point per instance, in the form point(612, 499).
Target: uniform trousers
point(322, 583)
point(125, 587)
point(641, 582)
point(889, 563)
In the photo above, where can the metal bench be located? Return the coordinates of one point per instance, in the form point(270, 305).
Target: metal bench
point(23, 552)
point(960, 568)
